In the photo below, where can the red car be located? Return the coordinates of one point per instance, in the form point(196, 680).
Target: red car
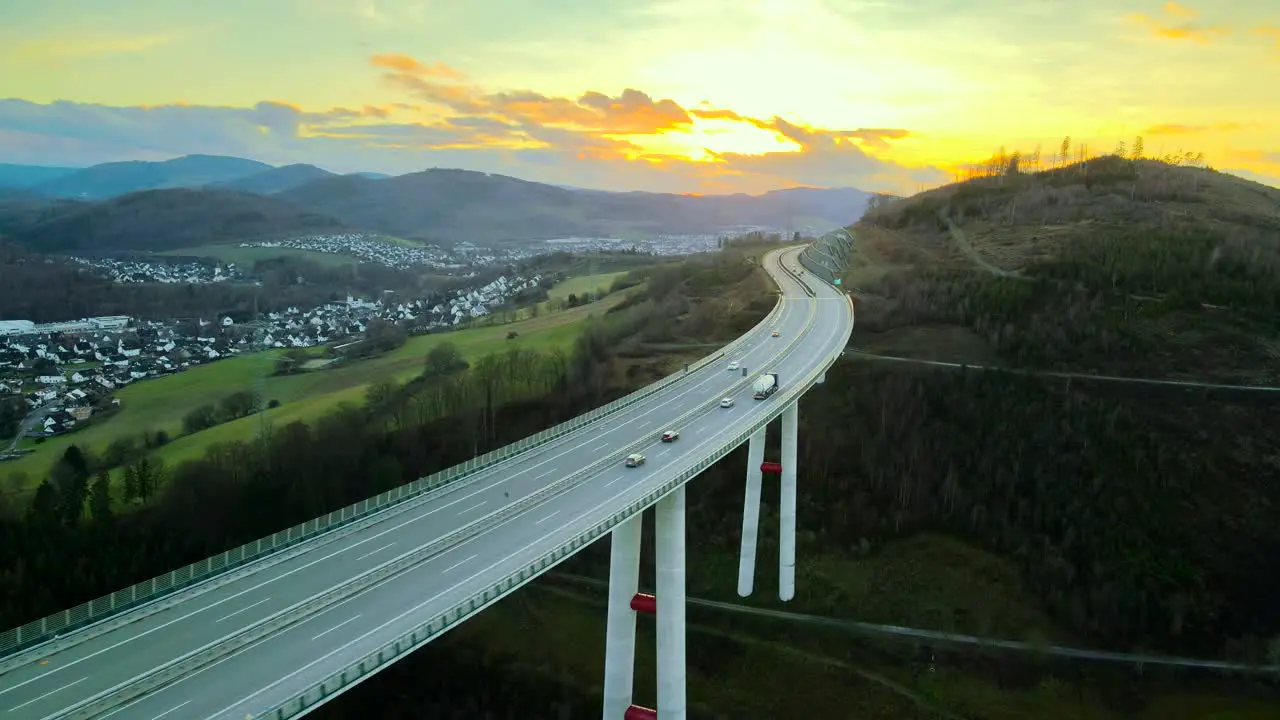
point(670, 436)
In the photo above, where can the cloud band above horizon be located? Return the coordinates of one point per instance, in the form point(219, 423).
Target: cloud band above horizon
point(692, 96)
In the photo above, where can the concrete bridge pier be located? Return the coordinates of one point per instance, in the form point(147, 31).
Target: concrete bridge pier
point(787, 504)
point(620, 627)
point(670, 565)
point(668, 606)
point(751, 513)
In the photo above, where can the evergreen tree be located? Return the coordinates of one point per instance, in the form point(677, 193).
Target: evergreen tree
point(100, 497)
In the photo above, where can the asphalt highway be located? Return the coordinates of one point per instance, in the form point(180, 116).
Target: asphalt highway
point(283, 664)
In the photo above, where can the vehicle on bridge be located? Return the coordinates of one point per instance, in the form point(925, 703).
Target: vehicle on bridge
point(764, 386)
point(734, 366)
point(635, 460)
point(776, 333)
point(726, 402)
point(670, 435)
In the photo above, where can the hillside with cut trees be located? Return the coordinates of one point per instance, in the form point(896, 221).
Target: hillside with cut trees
point(1110, 264)
point(1144, 515)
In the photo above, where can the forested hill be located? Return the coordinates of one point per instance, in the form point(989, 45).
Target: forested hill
point(438, 204)
point(163, 220)
point(1145, 515)
point(463, 205)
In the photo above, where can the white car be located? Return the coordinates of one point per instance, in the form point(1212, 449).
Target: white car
point(726, 402)
point(734, 366)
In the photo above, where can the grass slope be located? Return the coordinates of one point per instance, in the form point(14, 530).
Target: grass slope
point(599, 282)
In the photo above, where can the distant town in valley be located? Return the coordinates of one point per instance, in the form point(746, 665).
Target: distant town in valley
point(65, 371)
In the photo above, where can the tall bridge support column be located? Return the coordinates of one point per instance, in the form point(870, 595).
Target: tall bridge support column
point(670, 562)
point(620, 630)
point(751, 514)
point(787, 504)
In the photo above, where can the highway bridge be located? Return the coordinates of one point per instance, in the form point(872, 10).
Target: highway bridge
point(275, 628)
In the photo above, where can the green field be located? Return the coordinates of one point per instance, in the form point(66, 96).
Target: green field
point(160, 404)
point(245, 257)
point(584, 284)
point(571, 286)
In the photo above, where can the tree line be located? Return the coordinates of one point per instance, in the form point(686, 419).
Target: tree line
point(1068, 155)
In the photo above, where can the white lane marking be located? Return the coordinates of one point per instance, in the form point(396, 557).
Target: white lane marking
point(250, 607)
point(547, 517)
point(459, 564)
point(664, 452)
point(539, 477)
point(58, 690)
point(473, 507)
point(166, 712)
point(612, 482)
point(371, 552)
point(602, 446)
point(711, 378)
point(335, 627)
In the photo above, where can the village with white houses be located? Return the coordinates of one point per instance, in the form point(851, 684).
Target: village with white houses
point(375, 249)
point(66, 371)
point(371, 248)
point(141, 271)
point(460, 260)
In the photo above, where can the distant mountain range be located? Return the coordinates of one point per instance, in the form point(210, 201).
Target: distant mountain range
point(199, 199)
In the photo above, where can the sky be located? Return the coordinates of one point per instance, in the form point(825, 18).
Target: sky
point(690, 96)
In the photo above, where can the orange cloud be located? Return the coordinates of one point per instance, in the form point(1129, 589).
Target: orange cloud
point(627, 140)
point(1184, 31)
point(1269, 31)
point(630, 113)
point(404, 64)
point(1268, 159)
point(635, 128)
point(807, 137)
point(1174, 129)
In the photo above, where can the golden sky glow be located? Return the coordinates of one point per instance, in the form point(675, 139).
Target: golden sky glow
point(677, 95)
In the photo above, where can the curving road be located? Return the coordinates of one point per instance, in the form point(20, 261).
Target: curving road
point(283, 664)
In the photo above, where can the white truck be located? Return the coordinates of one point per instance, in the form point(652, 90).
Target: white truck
point(764, 386)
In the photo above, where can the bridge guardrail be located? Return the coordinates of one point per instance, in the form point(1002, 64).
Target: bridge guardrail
point(298, 612)
point(407, 642)
point(39, 632)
